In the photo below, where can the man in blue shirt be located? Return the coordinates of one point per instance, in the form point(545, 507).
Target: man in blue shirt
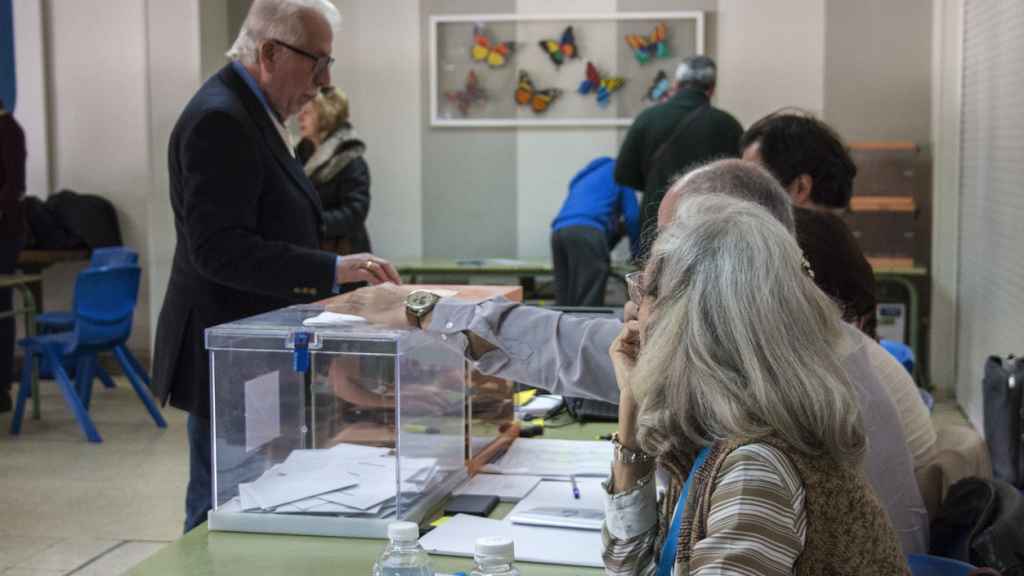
point(586, 230)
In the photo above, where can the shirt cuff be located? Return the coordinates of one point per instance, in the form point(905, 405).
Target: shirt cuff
point(632, 513)
point(449, 319)
point(335, 287)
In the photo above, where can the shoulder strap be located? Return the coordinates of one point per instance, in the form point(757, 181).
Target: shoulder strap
point(680, 128)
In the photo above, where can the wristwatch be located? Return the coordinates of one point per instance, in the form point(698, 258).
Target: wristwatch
point(418, 304)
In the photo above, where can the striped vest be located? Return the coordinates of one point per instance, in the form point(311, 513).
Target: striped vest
point(848, 532)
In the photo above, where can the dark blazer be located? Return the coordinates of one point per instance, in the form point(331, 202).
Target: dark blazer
point(247, 221)
point(711, 135)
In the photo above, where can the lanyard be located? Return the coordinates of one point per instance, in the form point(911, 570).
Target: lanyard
point(667, 559)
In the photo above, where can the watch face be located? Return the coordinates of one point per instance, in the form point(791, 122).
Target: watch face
point(421, 299)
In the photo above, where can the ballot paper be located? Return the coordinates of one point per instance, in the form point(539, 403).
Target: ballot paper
point(347, 479)
point(544, 545)
point(333, 319)
point(506, 488)
point(554, 458)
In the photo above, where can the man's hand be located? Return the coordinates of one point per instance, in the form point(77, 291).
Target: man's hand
point(365, 268)
point(383, 304)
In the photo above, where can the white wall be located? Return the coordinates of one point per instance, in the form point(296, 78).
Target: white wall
point(172, 76)
point(378, 66)
point(947, 42)
point(30, 67)
point(770, 55)
point(547, 159)
point(99, 118)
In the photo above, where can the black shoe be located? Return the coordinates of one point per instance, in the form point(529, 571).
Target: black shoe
point(5, 401)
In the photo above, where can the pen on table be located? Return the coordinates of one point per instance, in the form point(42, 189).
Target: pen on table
point(575, 488)
point(604, 437)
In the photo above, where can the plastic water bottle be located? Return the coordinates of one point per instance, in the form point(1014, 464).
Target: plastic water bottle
point(403, 556)
point(494, 556)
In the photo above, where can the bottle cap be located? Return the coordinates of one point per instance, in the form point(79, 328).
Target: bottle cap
point(403, 531)
point(495, 546)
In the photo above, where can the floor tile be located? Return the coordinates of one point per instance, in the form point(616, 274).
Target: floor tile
point(16, 549)
point(32, 572)
point(69, 554)
point(120, 559)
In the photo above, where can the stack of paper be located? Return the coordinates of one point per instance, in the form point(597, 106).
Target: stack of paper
point(348, 480)
point(554, 458)
point(506, 488)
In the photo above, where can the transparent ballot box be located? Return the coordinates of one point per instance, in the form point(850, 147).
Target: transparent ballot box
point(331, 429)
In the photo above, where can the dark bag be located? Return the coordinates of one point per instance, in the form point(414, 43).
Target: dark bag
point(1004, 413)
point(981, 522)
point(45, 231)
point(680, 128)
point(91, 218)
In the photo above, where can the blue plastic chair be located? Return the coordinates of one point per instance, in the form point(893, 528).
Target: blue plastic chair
point(104, 305)
point(63, 321)
point(925, 565)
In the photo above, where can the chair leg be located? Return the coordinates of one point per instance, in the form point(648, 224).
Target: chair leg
point(104, 376)
point(71, 397)
point(84, 378)
point(23, 389)
point(137, 365)
point(140, 389)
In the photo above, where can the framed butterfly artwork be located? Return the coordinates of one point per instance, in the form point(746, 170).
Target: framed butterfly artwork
point(537, 69)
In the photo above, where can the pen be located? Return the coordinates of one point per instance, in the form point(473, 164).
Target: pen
point(575, 488)
point(604, 437)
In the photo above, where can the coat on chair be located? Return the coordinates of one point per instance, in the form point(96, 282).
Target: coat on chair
point(247, 221)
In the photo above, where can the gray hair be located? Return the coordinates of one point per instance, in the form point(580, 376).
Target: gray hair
point(699, 72)
point(275, 20)
point(743, 180)
point(740, 342)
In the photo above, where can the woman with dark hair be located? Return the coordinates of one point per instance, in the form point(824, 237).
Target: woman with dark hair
point(333, 159)
point(12, 235)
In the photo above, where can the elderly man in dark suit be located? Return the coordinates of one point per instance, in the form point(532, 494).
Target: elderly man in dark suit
point(246, 216)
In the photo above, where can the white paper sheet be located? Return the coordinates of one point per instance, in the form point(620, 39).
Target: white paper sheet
point(333, 319)
point(554, 458)
point(551, 494)
point(457, 536)
point(506, 488)
point(262, 410)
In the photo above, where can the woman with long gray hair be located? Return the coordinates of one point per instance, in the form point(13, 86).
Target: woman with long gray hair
point(729, 382)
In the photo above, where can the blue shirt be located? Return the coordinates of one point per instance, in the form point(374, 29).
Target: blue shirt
point(251, 83)
point(596, 201)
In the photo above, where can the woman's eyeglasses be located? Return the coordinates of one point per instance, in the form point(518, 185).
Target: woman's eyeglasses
point(635, 286)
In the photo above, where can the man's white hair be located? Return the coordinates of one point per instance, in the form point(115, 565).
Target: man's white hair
point(276, 20)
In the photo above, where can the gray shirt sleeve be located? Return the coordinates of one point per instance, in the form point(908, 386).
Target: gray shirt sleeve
point(558, 352)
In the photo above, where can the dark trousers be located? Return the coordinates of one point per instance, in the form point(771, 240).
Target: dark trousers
point(580, 255)
point(9, 249)
point(199, 494)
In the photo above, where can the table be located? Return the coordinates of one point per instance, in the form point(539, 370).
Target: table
point(202, 553)
point(23, 283)
point(35, 261)
point(525, 270)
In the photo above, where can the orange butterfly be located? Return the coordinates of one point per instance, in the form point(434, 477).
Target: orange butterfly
point(647, 47)
point(484, 50)
point(539, 100)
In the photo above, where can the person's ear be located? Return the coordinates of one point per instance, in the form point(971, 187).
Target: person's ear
point(800, 190)
point(267, 53)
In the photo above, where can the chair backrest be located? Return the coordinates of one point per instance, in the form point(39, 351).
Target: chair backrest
point(925, 565)
point(113, 256)
point(105, 301)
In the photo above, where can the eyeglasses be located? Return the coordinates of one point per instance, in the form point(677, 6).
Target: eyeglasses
point(320, 63)
point(635, 286)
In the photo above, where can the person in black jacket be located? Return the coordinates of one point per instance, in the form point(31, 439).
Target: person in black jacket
point(247, 218)
point(12, 236)
point(333, 159)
